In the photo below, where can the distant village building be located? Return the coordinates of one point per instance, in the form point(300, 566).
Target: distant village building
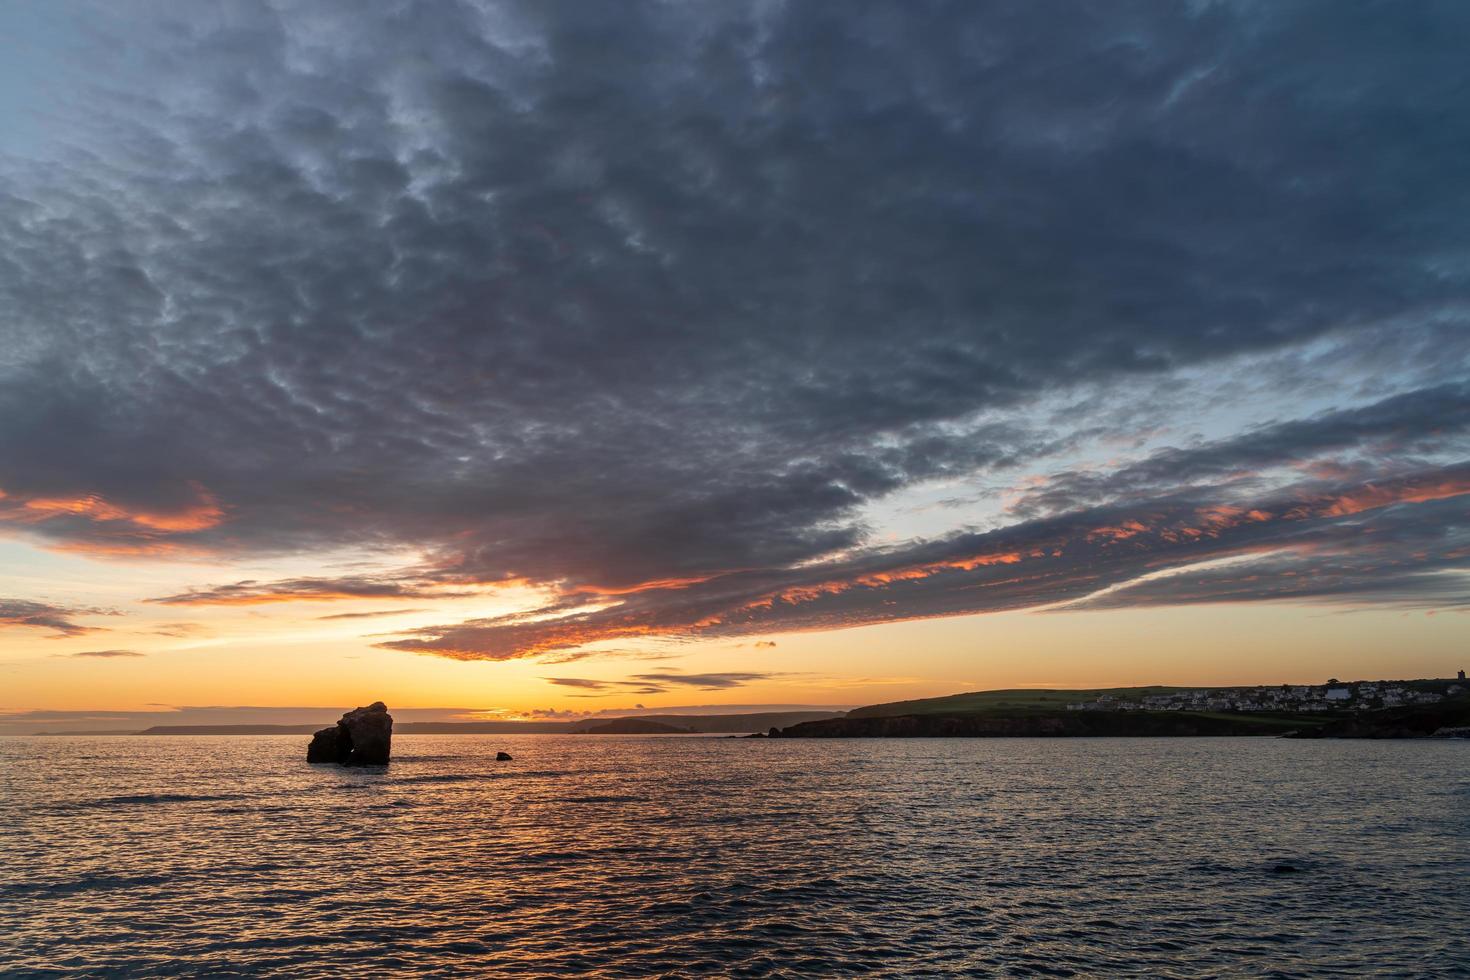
point(1335, 695)
point(1462, 675)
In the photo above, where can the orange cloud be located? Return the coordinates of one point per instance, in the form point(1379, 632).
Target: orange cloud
point(1120, 532)
point(128, 549)
point(258, 598)
point(876, 580)
point(1372, 496)
point(202, 515)
point(649, 586)
point(469, 642)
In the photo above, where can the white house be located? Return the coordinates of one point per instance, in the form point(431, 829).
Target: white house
point(1339, 693)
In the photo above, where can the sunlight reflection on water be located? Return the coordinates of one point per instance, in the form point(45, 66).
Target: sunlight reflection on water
point(632, 856)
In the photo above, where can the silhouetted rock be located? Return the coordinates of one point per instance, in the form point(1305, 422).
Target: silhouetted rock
point(363, 737)
point(323, 747)
point(503, 757)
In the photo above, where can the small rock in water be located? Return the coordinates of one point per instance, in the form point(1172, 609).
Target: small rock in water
point(363, 737)
point(503, 757)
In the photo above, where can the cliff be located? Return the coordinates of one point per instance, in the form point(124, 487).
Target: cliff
point(1036, 724)
point(1414, 721)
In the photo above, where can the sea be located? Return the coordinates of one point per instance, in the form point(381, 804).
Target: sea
point(613, 856)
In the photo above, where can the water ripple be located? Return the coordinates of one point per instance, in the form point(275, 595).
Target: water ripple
point(635, 857)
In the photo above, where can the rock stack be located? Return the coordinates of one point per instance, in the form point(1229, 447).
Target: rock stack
point(363, 737)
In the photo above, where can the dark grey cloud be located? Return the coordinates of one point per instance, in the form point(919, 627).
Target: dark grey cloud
point(61, 620)
point(250, 592)
point(602, 299)
point(1392, 435)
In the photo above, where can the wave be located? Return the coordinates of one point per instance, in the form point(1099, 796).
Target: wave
point(84, 883)
point(152, 799)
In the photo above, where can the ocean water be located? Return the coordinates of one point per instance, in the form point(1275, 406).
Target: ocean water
point(629, 856)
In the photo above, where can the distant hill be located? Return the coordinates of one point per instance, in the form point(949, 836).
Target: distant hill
point(482, 727)
point(230, 729)
point(634, 726)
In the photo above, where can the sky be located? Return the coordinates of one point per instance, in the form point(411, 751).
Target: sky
point(537, 359)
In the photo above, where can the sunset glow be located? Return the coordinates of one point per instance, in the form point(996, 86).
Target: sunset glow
point(828, 381)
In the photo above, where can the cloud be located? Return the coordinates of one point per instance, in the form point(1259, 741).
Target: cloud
point(582, 683)
point(552, 714)
point(660, 682)
point(1401, 429)
point(107, 654)
point(179, 629)
point(1036, 564)
point(704, 682)
point(91, 523)
point(41, 615)
point(372, 614)
point(1341, 563)
point(250, 593)
point(651, 309)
